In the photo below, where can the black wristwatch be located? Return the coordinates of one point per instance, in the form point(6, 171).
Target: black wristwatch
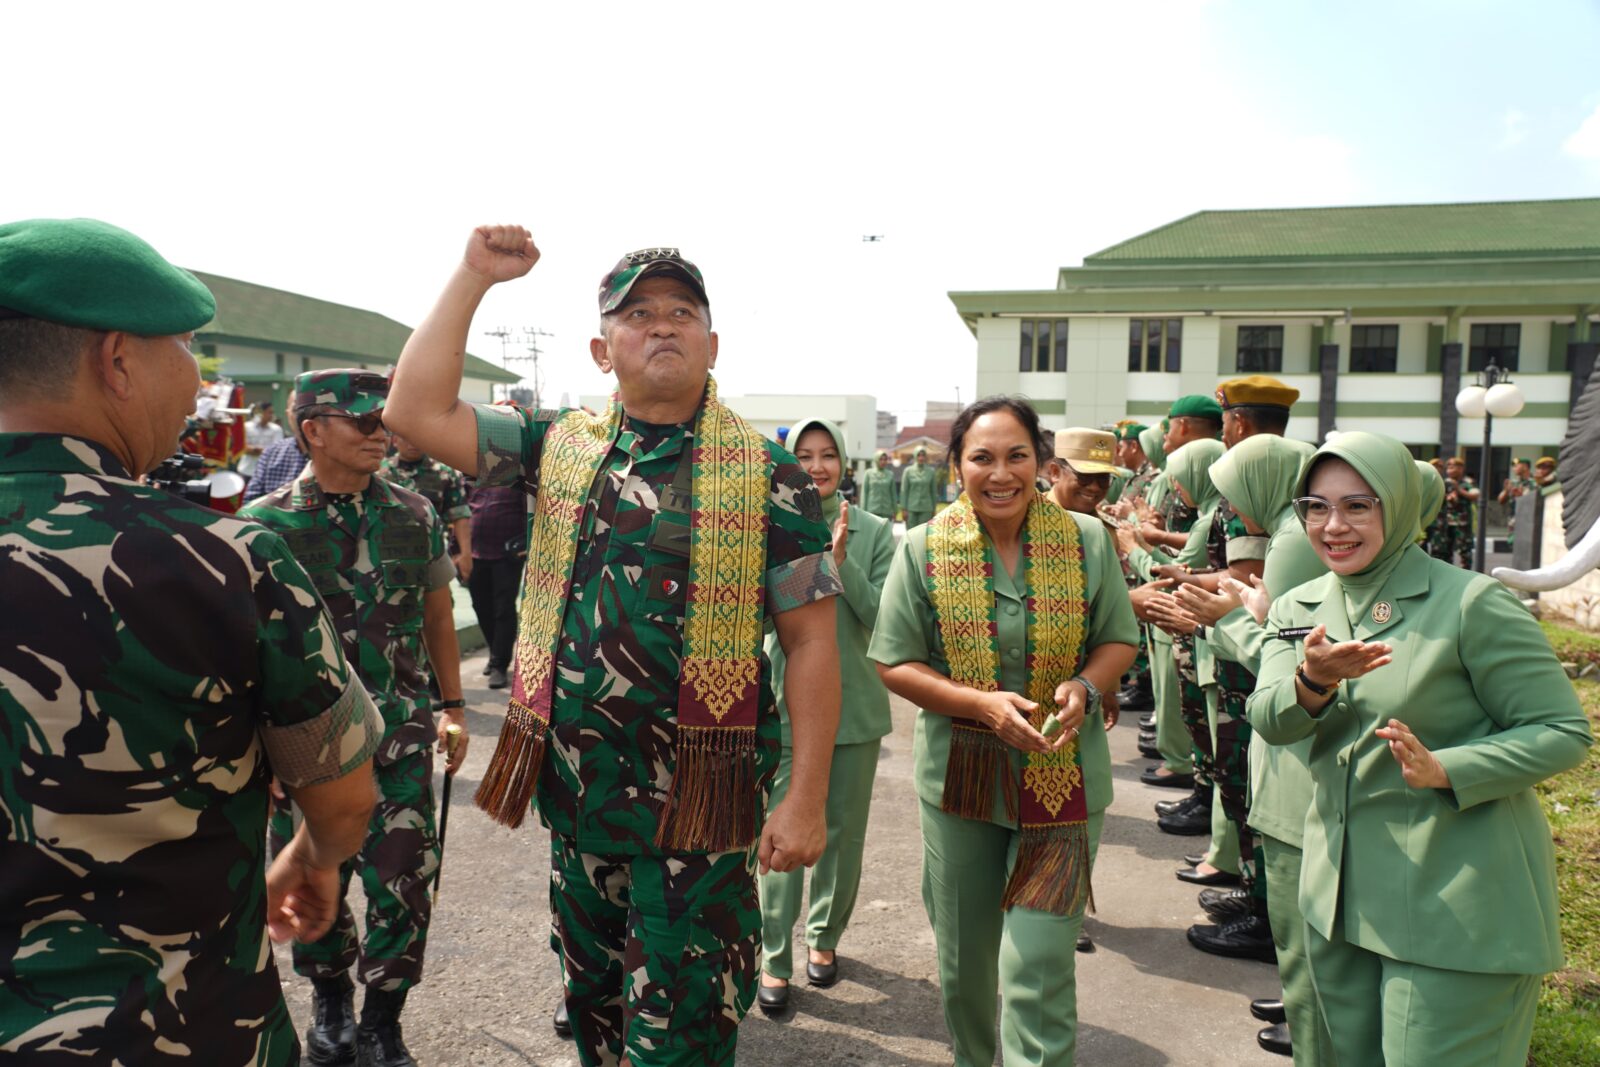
point(1093, 692)
point(1305, 680)
point(446, 705)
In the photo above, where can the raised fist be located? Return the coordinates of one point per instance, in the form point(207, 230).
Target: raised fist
point(500, 253)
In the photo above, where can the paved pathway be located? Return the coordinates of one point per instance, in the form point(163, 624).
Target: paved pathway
point(1145, 997)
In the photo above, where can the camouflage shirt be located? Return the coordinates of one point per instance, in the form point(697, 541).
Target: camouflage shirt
point(372, 557)
point(159, 662)
point(1140, 482)
point(444, 487)
point(1458, 511)
point(614, 721)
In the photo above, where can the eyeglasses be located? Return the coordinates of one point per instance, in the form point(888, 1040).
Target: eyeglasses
point(1355, 510)
point(366, 425)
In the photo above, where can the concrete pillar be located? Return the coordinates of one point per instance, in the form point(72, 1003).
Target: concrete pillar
point(1450, 355)
point(1328, 398)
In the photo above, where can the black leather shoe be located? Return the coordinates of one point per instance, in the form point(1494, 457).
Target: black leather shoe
point(1192, 823)
point(1132, 698)
point(1268, 1010)
point(1226, 905)
point(1193, 876)
point(1194, 859)
point(1243, 939)
point(772, 999)
point(1275, 1039)
point(1147, 722)
point(1085, 942)
point(1149, 751)
point(378, 1042)
point(560, 1022)
point(486, 670)
point(331, 1039)
point(1197, 799)
point(1167, 781)
point(497, 679)
point(823, 975)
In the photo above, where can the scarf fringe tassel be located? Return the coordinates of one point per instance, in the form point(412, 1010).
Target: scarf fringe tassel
point(977, 761)
point(513, 772)
point(1052, 870)
point(712, 805)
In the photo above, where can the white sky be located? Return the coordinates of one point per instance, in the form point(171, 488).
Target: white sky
point(344, 150)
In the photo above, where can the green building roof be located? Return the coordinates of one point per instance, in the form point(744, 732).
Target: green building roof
point(1400, 231)
point(262, 316)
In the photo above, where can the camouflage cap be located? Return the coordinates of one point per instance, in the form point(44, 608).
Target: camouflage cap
point(647, 261)
point(96, 276)
point(348, 389)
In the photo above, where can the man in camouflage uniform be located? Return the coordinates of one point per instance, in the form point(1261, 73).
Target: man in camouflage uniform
point(879, 492)
point(1137, 694)
point(443, 487)
point(162, 663)
point(376, 554)
point(659, 945)
point(917, 490)
point(1460, 498)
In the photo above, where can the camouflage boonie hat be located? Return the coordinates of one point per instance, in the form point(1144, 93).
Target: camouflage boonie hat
point(647, 261)
point(348, 389)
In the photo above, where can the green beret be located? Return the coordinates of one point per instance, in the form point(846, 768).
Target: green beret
point(1195, 407)
point(1130, 431)
point(95, 276)
point(1523, 459)
point(347, 389)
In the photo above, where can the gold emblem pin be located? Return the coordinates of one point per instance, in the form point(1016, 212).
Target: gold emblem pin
point(1381, 612)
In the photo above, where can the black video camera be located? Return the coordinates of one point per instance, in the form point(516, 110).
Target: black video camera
point(174, 476)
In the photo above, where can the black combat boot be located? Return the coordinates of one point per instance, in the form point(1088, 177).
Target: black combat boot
point(331, 1041)
point(378, 1041)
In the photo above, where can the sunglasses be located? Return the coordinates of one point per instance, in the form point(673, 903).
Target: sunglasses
point(366, 425)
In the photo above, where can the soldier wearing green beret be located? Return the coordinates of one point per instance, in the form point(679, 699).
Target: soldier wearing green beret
point(880, 495)
point(917, 487)
point(376, 555)
point(163, 662)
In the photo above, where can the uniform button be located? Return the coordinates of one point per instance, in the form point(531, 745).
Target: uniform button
point(1012, 609)
point(1014, 654)
point(1343, 706)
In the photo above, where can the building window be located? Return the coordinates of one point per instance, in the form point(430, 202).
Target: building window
point(1497, 341)
point(1374, 348)
point(1261, 349)
point(1151, 339)
point(1042, 345)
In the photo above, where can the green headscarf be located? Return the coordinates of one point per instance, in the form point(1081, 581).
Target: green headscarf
point(1390, 472)
point(1150, 441)
point(1190, 467)
point(830, 503)
point(1432, 494)
point(1258, 477)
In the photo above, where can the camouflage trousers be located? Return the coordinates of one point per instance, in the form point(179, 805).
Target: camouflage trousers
point(659, 953)
point(1454, 544)
point(1232, 768)
point(1192, 703)
point(396, 863)
point(1138, 675)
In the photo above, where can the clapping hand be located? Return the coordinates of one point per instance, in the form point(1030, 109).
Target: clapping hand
point(1167, 612)
point(1007, 715)
point(1327, 663)
point(1254, 597)
point(500, 253)
point(1420, 768)
point(1208, 608)
point(841, 533)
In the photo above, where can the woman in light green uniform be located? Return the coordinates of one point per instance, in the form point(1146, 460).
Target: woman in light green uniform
point(1434, 705)
point(863, 546)
point(1003, 620)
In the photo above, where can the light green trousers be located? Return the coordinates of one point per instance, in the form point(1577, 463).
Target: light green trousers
point(1172, 737)
point(917, 518)
point(1029, 957)
point(1407, 1015)
point(1223, 851)
point(1307, 1028)
point(836, 875)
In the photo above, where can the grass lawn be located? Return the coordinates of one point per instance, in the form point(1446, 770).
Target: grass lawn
point(1567, 1032)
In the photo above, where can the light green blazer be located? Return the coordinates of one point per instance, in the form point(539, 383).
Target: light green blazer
point(1464, 878)
point(864, 712)
point(908, 632)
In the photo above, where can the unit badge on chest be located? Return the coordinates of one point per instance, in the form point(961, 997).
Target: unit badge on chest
point(1381, 611)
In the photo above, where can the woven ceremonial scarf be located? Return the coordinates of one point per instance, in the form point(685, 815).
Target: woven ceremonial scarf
point(712, 803)
point(1052, 869)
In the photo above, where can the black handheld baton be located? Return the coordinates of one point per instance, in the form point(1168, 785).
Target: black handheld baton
point(452, 738)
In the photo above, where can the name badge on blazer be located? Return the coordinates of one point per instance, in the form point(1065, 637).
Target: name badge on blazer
point(1294, 633)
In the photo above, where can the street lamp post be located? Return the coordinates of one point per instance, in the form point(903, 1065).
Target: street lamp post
point(1492, 395)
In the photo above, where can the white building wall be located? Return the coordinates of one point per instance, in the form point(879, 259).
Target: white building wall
point(998, 340)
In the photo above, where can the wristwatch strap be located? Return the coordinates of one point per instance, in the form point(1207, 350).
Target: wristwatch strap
point(1320, 690)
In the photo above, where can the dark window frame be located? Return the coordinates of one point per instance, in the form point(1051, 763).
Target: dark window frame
point(1501, 340)
point(1372, 348)
point(1262, 356)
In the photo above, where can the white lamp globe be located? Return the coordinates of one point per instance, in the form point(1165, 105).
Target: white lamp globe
point(1503, 400)
point(1470, 402)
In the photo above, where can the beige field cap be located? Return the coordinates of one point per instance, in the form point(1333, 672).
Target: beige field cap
point(1087, 451)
